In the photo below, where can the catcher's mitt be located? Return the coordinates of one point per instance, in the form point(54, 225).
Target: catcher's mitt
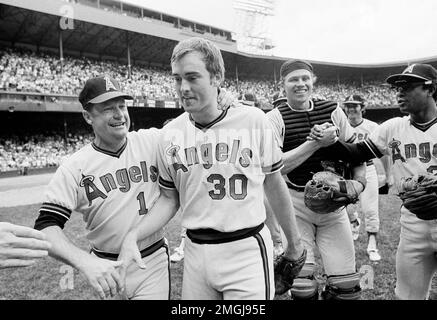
point(419, 195)
point(286, 271)
point(327, 192)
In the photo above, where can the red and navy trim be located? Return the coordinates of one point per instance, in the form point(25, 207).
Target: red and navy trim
point(264, 257)
point(357, 125)
point(51, 214)
point(351, 139)
point(166, 184)
point(209, 125)
point(274, 167)
point(423, 127)
point(116, 154)
point(373, 148)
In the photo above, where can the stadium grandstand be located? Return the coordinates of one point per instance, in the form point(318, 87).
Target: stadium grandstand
point(48, 48)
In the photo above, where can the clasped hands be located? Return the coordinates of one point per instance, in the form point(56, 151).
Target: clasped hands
point(324, 134)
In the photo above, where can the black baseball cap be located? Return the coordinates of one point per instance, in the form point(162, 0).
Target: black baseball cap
point(292, 65)
point(354, 99)
point(414, 73)
point(101, 89)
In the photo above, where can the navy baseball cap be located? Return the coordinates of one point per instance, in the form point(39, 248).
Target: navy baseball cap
point(415, 73)
point(354, 99)
point(101, 89)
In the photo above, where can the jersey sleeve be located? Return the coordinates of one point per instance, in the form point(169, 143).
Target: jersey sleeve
point(271, 154)
point(277, 125)
point(340, 120)
point(377, 141)
point(60, 200)
point(165, 178)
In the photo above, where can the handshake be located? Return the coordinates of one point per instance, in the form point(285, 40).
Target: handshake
point(324, 134)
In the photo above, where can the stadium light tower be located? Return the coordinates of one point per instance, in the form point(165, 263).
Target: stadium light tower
point(254, 25)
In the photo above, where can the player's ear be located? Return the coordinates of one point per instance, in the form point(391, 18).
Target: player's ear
point(314, 78)
point(216, 80)
point(86, 115)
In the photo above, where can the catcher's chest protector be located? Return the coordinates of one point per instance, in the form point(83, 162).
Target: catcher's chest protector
point(297, 127)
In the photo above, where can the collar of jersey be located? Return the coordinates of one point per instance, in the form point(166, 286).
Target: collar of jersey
point(311, 108)
point(209, 125)
point(115, 154)
point(423, 126)
point(359, 124)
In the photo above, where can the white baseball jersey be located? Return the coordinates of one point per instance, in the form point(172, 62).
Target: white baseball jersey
point(219, 169)
point(412, 147)
point(364, 129)
point(113, 191)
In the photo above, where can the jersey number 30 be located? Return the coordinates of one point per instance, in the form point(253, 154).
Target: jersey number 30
point(219, 191)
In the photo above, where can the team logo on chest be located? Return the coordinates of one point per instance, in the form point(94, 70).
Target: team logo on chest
point(92, 192)
point(424, 151)
point(395, 151)
point(207, 154)
point(122, 179)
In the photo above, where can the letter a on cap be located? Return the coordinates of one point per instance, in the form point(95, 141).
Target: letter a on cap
point(109, 84)
point(409, 69)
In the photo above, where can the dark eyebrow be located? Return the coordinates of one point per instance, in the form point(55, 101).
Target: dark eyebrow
point(193, 73)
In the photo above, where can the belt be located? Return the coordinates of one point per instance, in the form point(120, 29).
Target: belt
point(144, 253)
point(211, 236)
point(295, 187)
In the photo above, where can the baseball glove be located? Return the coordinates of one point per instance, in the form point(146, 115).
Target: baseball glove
point(286, 271)
point(327, 192)
point(419, 195)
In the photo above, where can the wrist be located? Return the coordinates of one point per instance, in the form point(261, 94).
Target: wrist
point(315, 144)
point(294, 251)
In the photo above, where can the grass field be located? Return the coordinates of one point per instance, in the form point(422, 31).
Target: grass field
point(44, 280)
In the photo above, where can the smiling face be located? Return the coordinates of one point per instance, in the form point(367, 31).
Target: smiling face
point(195, 86)
point(298, 86)
point(110, 121)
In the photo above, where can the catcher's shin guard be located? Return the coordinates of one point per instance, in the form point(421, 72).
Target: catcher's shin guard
point(344, 287)
point(305, 286)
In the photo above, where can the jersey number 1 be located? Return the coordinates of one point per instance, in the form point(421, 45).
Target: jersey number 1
point(140, 198)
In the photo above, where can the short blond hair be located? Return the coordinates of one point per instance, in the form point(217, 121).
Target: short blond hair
point(211, 54)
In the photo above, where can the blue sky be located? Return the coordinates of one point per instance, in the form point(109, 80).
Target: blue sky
point(344, 31)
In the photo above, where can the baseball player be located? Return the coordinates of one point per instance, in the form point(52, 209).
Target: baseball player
point(112, 182)
point(411, 141)
point(292, 119)
point(217, 165)
point(354, 107)
point(21, 246)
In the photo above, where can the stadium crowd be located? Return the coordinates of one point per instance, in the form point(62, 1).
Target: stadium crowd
point(27, 71)
point(38, 151)
point(23, 70)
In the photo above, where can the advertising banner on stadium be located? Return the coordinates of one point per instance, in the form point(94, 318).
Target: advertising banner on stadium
point(151, 103)
point(169, 104)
